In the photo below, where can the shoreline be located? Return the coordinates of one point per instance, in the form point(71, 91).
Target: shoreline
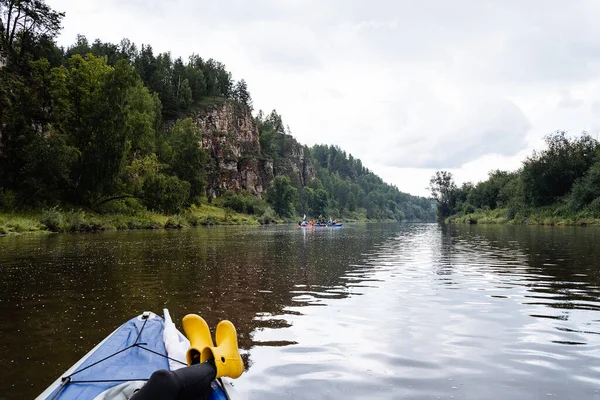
point(82, 221)
point(544, 217)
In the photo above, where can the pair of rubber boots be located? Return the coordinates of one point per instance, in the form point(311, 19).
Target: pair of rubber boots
point(225, 353)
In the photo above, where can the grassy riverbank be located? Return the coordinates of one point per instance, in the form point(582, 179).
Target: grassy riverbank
point(537, 216)
point(57, 220)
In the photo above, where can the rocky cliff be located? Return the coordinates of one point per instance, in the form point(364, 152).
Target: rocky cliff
point(295, 161)
point(231, 139)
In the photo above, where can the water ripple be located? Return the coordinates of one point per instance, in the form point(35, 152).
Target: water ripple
point(370, 311)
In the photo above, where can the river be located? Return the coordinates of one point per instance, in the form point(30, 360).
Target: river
point(379, 311)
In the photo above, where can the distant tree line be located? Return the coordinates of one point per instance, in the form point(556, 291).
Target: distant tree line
point(343, 187)
point(564, 176)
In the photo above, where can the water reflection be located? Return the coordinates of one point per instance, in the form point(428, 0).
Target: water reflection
point(367, 311)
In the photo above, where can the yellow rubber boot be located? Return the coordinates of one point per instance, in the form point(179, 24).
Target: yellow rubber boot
point(226, 354)
point(196, 330)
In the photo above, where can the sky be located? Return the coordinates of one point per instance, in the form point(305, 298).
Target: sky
point(408, 87)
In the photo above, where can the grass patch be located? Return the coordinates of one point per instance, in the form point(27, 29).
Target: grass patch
point(19, 223)
point(207, 214)
point(551, 216)
point(57, 220)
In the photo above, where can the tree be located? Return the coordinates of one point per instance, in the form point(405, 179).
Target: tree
point(185, 94)
point(550, 174)
point(165, 193)
point(281, 195)
point(188, 159)
point(586, 189)
point(443, 190)
point(47, 165)
point(241, 94)
point(195, 75)
point(145, 64)
point(128, 50)
point(487, 193)
point(318, 202)
point(23, 23)
point(81, 47)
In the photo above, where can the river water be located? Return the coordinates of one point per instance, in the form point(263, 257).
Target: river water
point(415, 311)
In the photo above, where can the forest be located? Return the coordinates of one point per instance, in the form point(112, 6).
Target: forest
point(104, 128)
point(559, 184)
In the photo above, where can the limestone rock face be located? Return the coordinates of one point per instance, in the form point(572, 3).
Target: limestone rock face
point(295, 162)
point(231, 139)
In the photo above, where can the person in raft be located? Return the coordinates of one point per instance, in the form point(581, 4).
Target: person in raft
point(206, 362)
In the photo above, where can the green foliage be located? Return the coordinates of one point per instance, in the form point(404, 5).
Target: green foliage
point(48, 161)
point(140, 169)
point(176, 222)
point(25, 26)
point(127, 206)
point(490, 193)
point(243, 202)
point(550, 174)
point(468, 208)
point(208, 220)
point(350, 187)
point(268, 217)
point(80, 126)
point(192, 219)
point(188, 159)
point(165, 193)
point(52, 219)
point(180, 86)
point(234, 202)
point(586, 189)
point(318, 201)
point(444, 191)
point(281, 195)
point(7, 200)
point(274, 140)
point(241, 94)
point(556, 186)
point(594, 207)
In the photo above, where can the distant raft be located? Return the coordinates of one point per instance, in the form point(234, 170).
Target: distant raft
point(336, 225)
point(125, 360)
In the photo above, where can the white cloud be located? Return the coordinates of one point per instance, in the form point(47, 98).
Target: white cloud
point(408, 87)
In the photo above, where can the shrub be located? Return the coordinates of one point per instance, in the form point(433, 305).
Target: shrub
point(208, 220)
point(52, 219)
point(594, 207)
point(235, 202)
point(192, 219)
point(165, 193)
point(244, 203)
point(267, 217)
point(75, 222)
point(129, 206)
point(174, 222)
point(468, 208)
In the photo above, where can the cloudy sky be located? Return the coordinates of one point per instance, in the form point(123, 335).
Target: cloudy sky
point(408, 87)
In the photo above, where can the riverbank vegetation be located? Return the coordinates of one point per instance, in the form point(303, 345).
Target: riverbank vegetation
point(559, 185)
point(77, 220)
point(100, 133)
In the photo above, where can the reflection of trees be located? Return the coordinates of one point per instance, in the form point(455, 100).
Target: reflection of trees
point(560, 261)
point(443, 252)
point(64, 293)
